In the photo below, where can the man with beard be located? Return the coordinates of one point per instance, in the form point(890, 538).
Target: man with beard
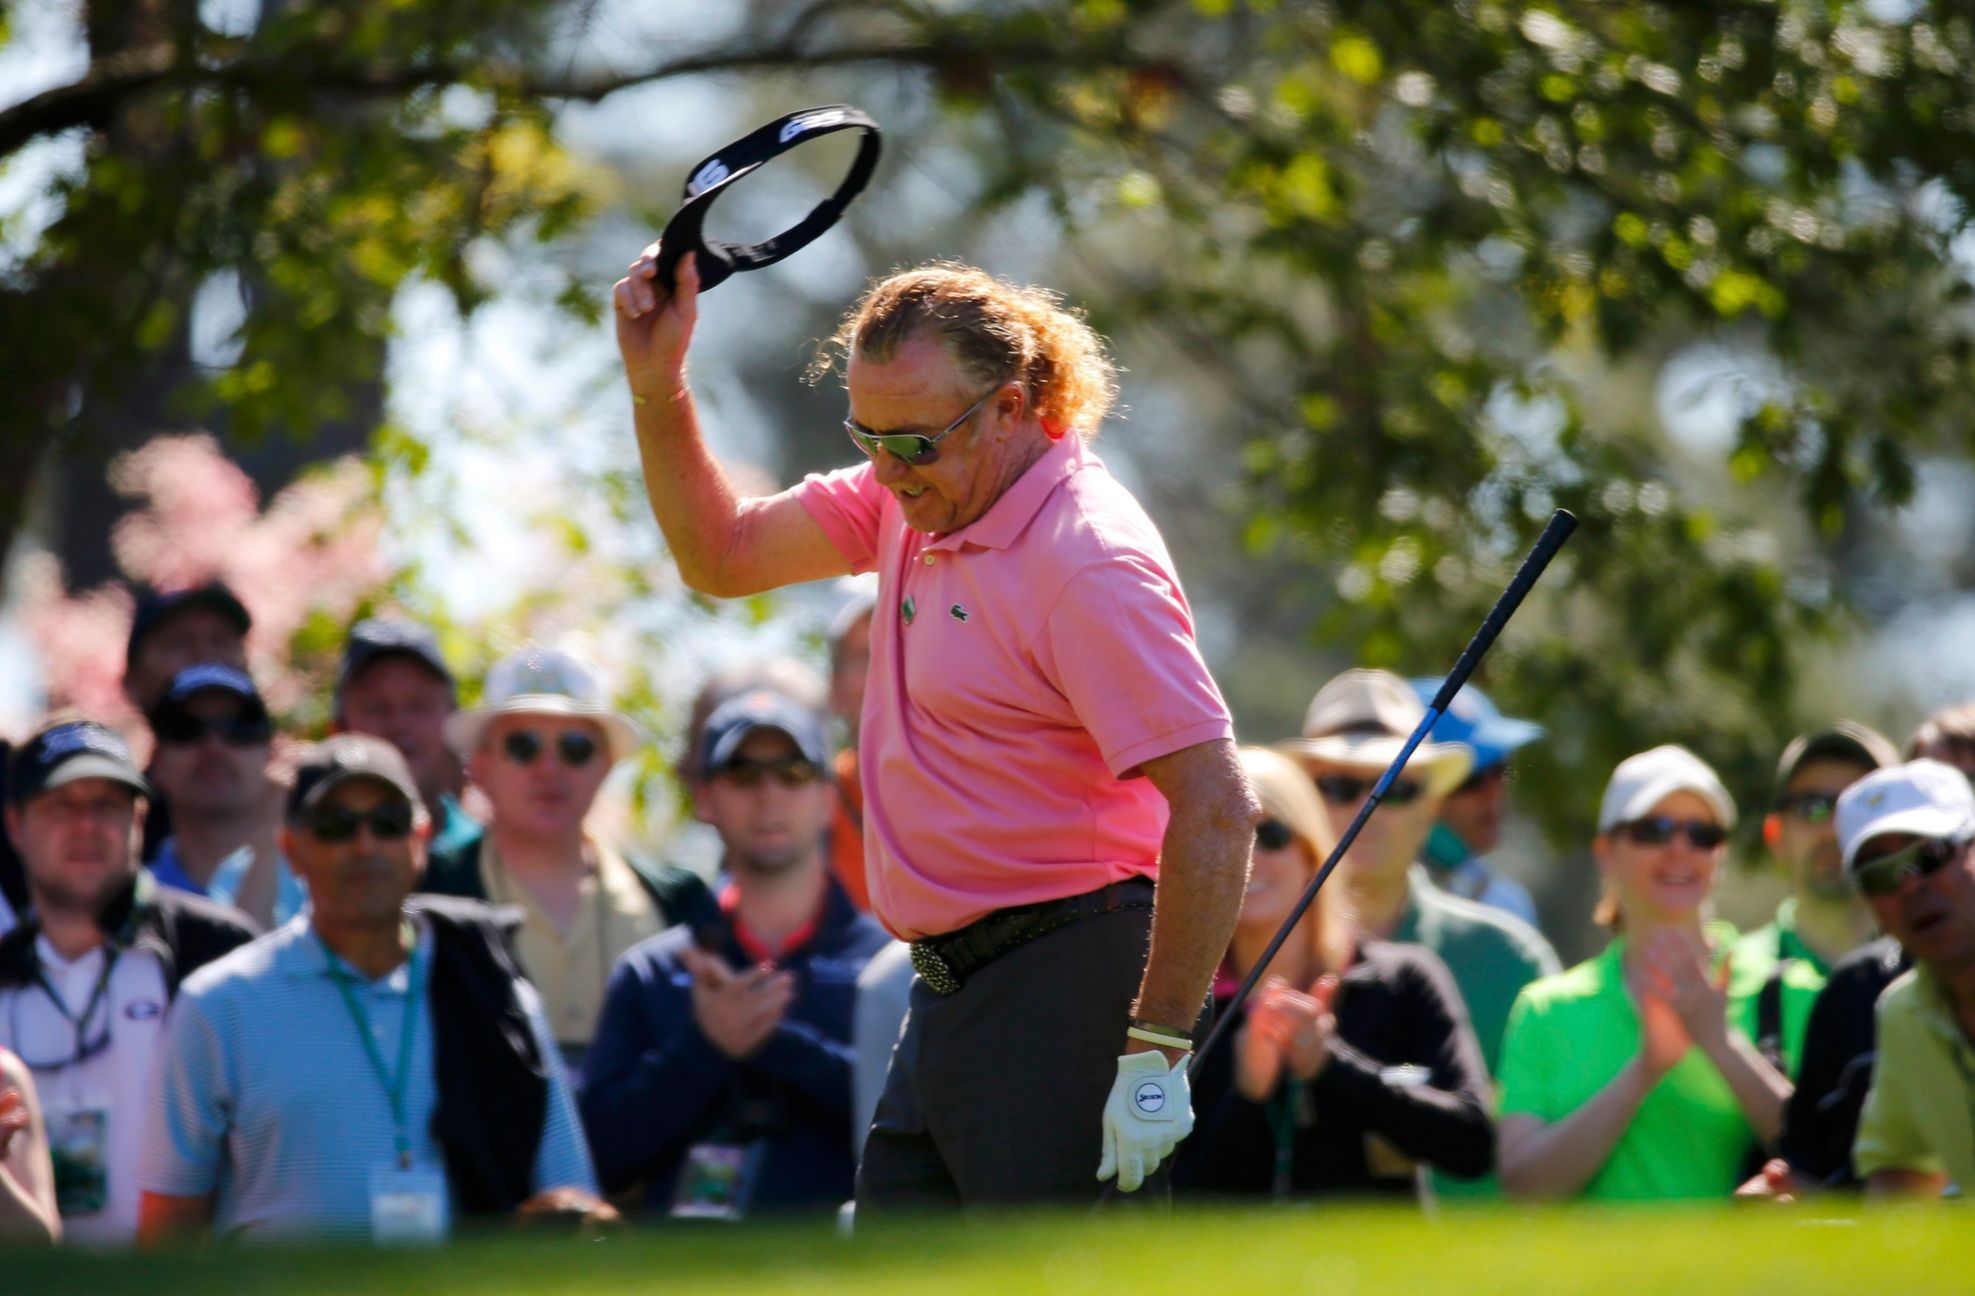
point(721, 1073)
point(214, 739)
point(1785, 963)
point(85, 980)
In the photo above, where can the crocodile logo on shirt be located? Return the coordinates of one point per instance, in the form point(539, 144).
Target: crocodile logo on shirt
point(908, 609)
point(957, 612)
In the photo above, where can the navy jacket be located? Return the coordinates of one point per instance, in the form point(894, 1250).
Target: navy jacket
point(655, 1085)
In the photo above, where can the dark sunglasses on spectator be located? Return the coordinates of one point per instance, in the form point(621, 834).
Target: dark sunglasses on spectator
point(1343, 789)
point(1273, 834)
point(1658, 830)
point(1811, 807)
point(1923, 859)
point(789, 771)
point(575, 747)
point(388, 820)
point(182, 728)
point(909, 447)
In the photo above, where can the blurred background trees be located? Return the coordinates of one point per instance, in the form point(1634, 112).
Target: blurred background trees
point(1390, 280)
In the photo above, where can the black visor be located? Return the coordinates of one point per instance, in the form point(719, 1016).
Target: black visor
point(711, 178)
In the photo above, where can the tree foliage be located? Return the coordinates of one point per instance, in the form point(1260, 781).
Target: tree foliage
point(1423, 263)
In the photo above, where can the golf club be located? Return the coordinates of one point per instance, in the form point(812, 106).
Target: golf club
point(1561, 524)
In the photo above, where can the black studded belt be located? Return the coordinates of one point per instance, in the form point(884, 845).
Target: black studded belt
point(945, 962)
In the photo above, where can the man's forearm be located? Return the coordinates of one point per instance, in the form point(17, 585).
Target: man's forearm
point(1203, 866)
point(695, 504)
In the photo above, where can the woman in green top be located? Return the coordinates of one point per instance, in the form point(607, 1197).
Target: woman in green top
point(1631, 1077)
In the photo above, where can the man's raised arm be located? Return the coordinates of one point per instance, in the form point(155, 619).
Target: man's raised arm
point(725, 545)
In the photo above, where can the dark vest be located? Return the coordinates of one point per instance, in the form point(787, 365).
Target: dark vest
point(492, 1079)
point(185, 931)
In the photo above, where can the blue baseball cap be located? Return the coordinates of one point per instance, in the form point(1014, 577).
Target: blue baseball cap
point(1472, 719)
point(759, 708)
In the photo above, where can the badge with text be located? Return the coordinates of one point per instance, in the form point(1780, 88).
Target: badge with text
point(407, 1205)
point(716, 1181)
point(79, 1146)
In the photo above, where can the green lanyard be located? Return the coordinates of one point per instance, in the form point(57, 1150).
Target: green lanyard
point(394, 1086)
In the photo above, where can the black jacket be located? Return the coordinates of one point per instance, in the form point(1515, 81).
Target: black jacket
point(185, 931)
point(1396, 1006)
point(1821, 1118)
point(492, 1079)
point(680, 896)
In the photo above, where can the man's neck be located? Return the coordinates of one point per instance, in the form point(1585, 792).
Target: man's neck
point(1379, 900)
point(1832, 926)
point(372, 949)
point(73, 932)
point(540, 858)
point(773, 907)
point(203, 843)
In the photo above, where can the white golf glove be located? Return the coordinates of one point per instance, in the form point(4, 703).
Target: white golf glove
point(1149, 1111)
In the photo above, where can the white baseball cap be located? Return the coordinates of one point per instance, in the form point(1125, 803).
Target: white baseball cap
point(1643, 781)
point(1923, 798)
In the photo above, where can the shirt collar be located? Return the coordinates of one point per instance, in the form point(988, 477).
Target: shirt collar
point(1008, 516)
point(301, 954)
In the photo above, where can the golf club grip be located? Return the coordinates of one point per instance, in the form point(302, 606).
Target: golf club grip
point(1560, 526)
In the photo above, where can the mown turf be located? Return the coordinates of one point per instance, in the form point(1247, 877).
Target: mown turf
point(1327, 1252)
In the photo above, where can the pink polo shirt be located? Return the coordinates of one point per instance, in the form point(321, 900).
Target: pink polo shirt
point(1023, 668)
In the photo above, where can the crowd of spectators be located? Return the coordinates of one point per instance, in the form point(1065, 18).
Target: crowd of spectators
point(394, 981)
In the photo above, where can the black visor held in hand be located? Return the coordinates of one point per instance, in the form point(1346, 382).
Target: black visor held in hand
point(712, 177)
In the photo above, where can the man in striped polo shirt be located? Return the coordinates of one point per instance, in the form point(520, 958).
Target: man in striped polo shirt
point(370, 1069)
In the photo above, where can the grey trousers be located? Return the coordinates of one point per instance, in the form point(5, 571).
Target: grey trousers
point(996, 1094)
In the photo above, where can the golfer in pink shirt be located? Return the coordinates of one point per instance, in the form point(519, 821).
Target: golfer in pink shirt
point(1041, 741)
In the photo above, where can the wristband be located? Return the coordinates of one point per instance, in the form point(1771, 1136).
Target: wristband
point(1180, 1042)
point(1159, 1028)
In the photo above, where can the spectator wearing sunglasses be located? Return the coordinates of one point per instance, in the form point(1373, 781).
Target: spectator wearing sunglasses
point(1632, 1076)
point(169, 631)
point(1473, 815)
point(1354, 1068)
point(214, 738)
point(539, 747)
point(1785, 962)
point(1906, 833)
point(1356, 725)
point(375, 1068)
point(85, 981)
point(720, 1079)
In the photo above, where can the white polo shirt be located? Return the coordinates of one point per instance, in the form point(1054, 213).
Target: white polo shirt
point(94, 1107)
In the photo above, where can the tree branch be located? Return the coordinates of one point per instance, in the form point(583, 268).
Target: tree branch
point(110, 82)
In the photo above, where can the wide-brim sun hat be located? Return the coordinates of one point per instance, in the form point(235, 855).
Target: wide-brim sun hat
point(1361, 720)
point(543, 682)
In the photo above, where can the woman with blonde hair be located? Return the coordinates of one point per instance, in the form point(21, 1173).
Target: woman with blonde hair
point(1354, 1065)
point(1631, 1077)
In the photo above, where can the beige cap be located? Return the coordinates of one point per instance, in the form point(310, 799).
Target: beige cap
point(1363, 718)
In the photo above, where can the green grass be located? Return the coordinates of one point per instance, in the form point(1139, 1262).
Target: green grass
point(1324, 1252)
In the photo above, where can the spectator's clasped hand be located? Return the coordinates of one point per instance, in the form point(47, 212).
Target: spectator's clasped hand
point(737, 1011)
